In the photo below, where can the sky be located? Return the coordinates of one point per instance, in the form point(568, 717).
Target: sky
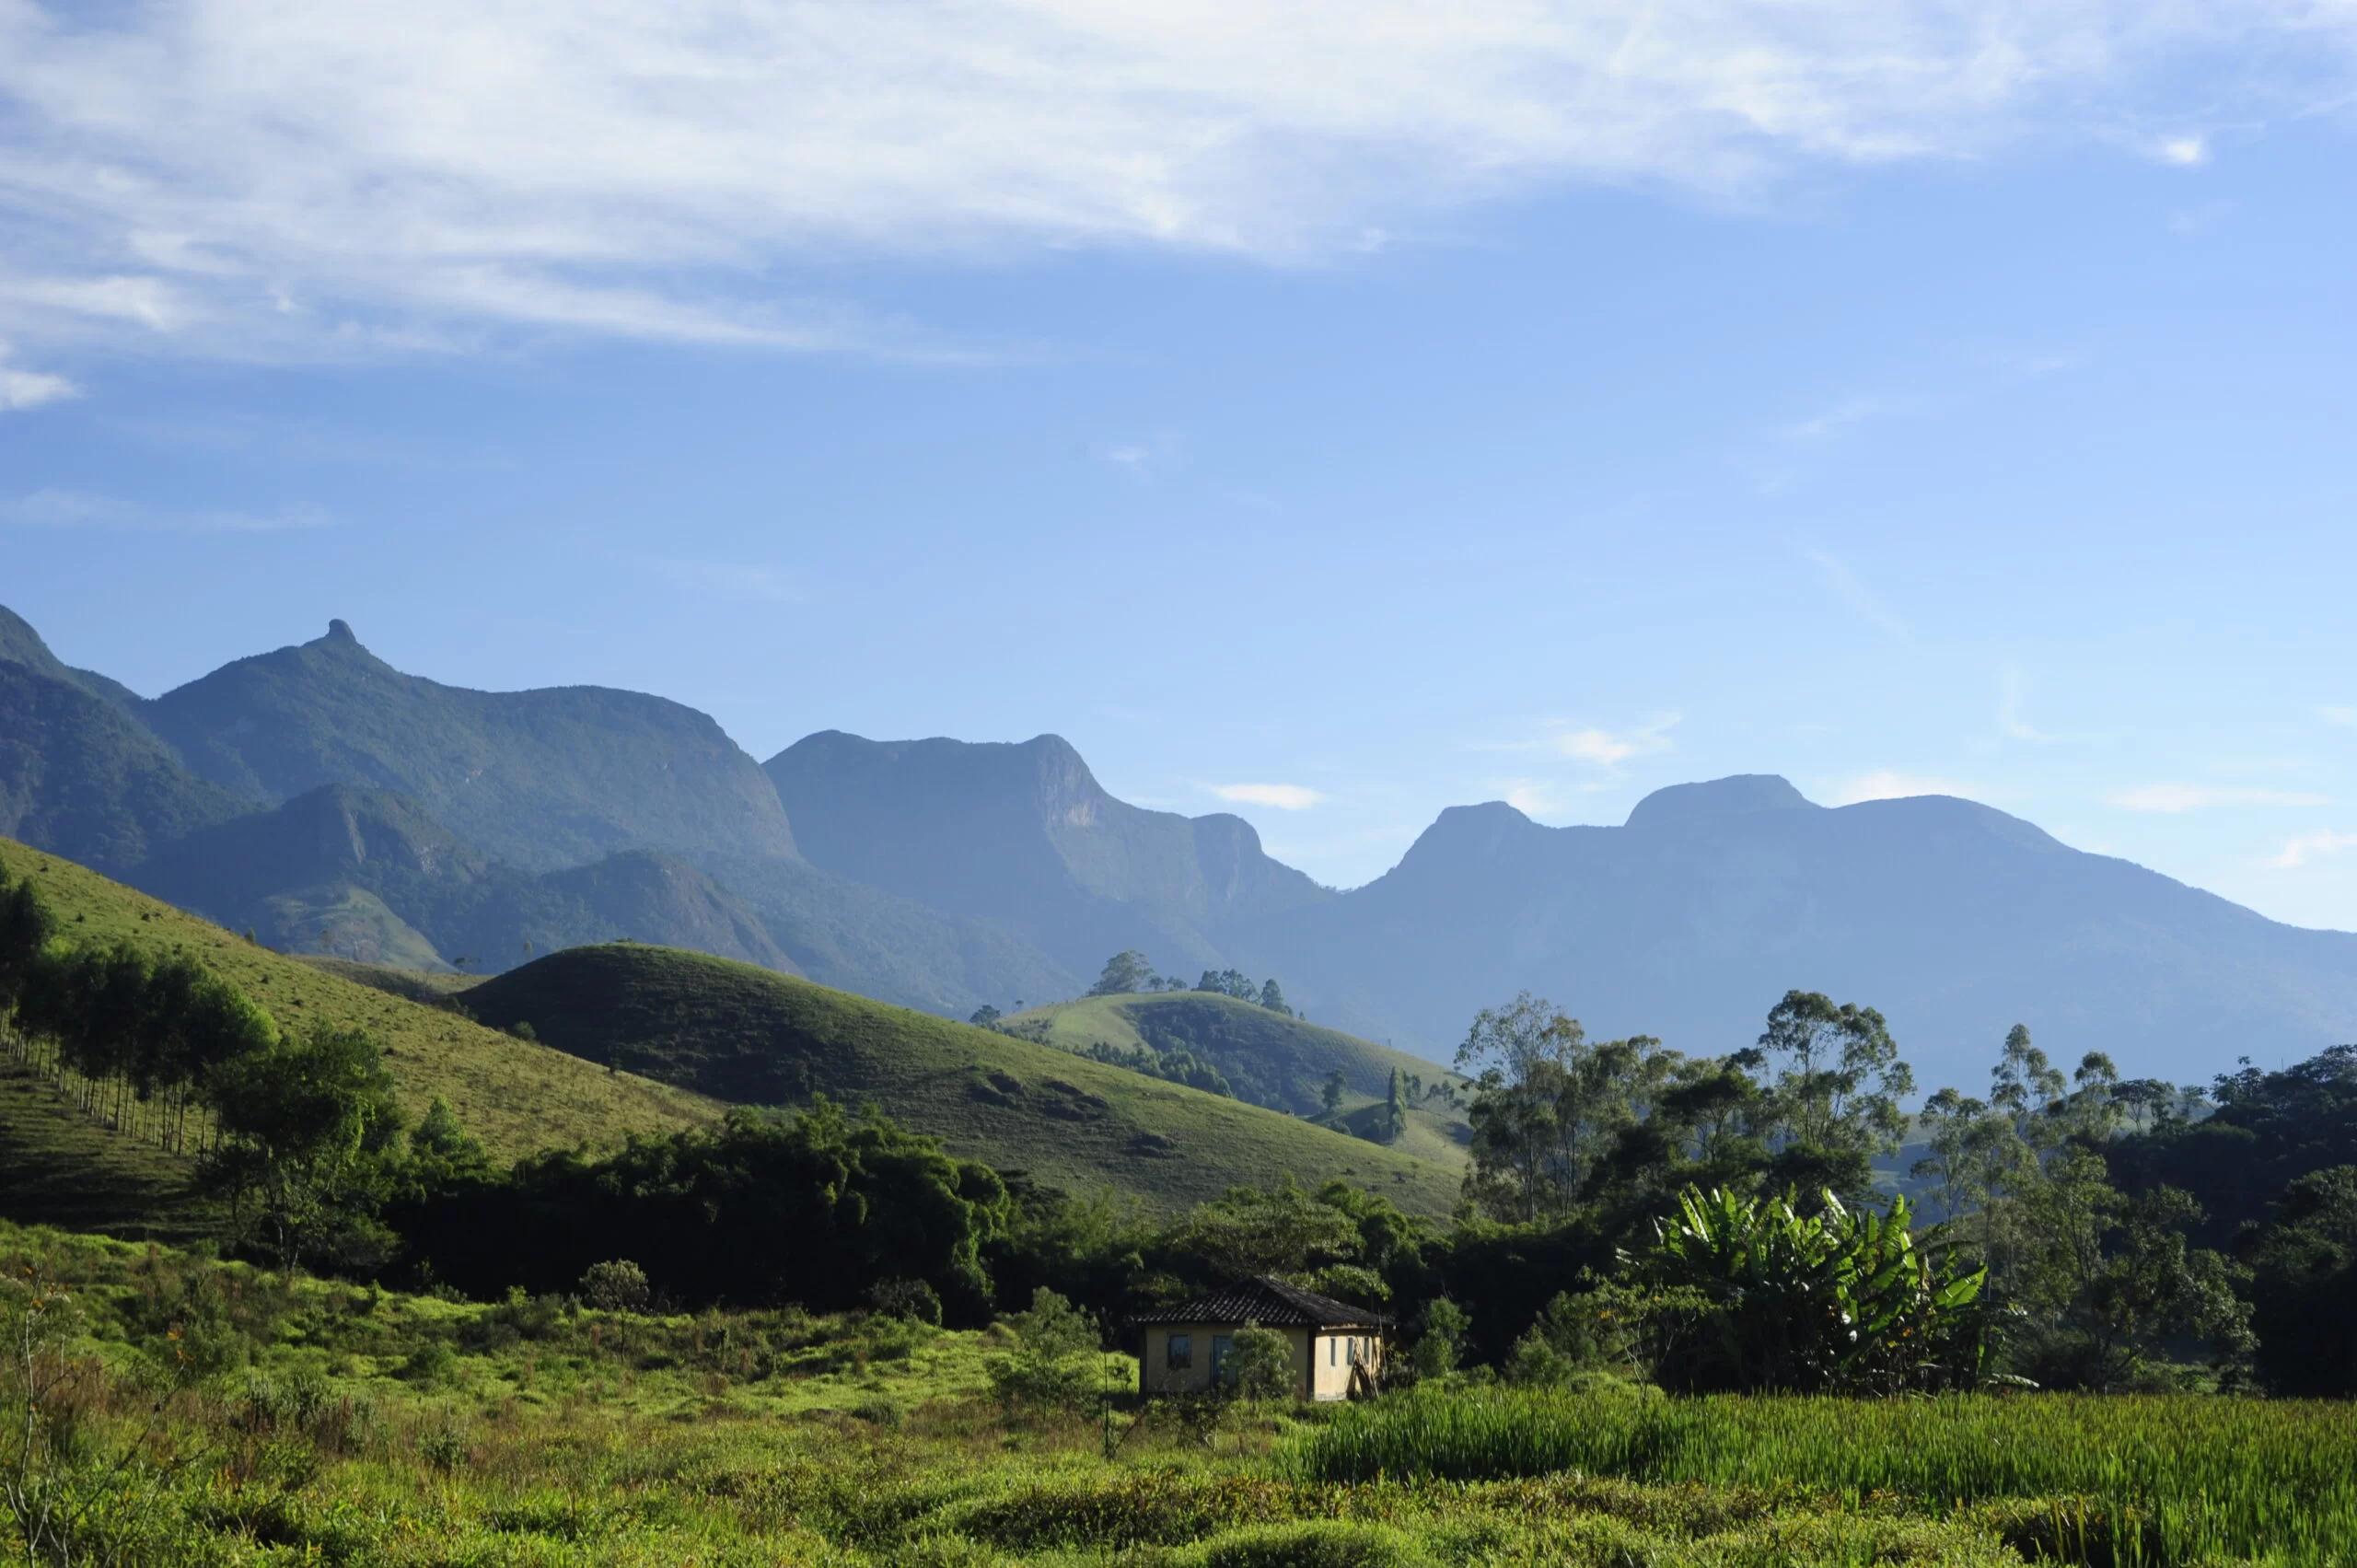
point(1328, 412)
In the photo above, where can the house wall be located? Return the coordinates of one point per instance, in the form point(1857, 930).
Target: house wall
point(1313, 1379)
point(1329, 1356)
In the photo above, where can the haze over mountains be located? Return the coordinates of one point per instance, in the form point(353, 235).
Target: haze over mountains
point(333, 803)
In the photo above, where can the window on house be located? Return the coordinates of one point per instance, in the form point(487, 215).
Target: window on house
point(1332, 1345)
point(1354, 1352)
point(1178, 1351)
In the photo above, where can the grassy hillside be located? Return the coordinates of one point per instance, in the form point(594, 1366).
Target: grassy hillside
point(747, 1034)
point(515, 1095)
point(1269, 1058)
point(1289, 1059)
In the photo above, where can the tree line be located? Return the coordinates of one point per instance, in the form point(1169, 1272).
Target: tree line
point(1128, 973)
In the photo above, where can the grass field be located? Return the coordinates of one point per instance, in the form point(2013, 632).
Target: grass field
point(747, 1034)
point(317, 1421)
point(2165, 1479)
point(515, 1095)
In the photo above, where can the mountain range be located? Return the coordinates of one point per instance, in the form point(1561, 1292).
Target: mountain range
point(333, 804)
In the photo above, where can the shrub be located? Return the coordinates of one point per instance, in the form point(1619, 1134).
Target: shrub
point(913, 1299)
point(1053, 1363)
point(618, 1285)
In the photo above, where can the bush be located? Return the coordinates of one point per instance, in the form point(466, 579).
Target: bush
point(432, 1363)
point(619, 1285)
point(1052, 1364)
point(911, 1299)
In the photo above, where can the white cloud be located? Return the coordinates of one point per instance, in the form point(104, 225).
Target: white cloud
point(2185, 152)
point(1851, 590)
point(1609, 748)
point(79, 509)
point(2196, 798)
point(1886, 784)
point(740, 579)
point(30, 388)
point(2308, 846)
point(257, 177)
point(1849, 412)
point(1283, 796)
point(2335, 714)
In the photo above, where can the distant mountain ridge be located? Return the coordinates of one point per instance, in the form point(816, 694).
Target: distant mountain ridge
point(542, 779)
point(79, 772)
point(359, 811)
point(1023, 835)
point(1691, 918)
point(330, 801)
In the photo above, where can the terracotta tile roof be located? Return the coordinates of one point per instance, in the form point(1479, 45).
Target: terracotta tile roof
point(1272, 1303)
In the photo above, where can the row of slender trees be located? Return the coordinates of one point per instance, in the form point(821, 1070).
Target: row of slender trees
point(291, 1132)
point(131, 1040)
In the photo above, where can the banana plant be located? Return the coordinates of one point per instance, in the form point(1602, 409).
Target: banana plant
point(1838, 1300)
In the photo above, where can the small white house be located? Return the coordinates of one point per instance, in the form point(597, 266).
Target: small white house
point(1338, 1351)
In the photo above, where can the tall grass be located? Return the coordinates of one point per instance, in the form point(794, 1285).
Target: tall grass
point(2172, 1479)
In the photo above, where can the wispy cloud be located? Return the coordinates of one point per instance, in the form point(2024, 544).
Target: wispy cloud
point(30, 388)
point(79, 509)
point(2198, 797)
point(250, 177)
point(1885, 784)
point(1142, 457)
point(1852, 589)
point(1281, 796)
point(738, 579)
point(2184, 152)
point(2333, 712)
point(1847, 413)
point(1610, 748)
point(2012, 694)
point(2310, 846)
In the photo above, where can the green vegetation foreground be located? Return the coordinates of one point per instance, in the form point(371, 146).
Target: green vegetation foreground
point(193, 1413)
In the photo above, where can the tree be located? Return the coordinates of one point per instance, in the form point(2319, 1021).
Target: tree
point(1124, 973)
point(1962, 1135)
point(304, 1125)
point(1331, 1094)
point(2304, 1291)
point(1308, 1239)
point(1835, 1100)
point(26, 928)
point(1440, 1346)
point(985, 1016)
point(1273, 998)
point(1550, 1104)
point(616, 1285)
point(1259, 1365)
point(1053, 1363)
point(1394, 1106)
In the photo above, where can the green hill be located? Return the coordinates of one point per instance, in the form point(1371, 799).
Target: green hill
point(1269, 1058)
point(746, 1034)
point(517, 1097)
point(1272, 1058)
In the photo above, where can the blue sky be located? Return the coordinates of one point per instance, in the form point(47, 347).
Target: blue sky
point(1334, 412)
